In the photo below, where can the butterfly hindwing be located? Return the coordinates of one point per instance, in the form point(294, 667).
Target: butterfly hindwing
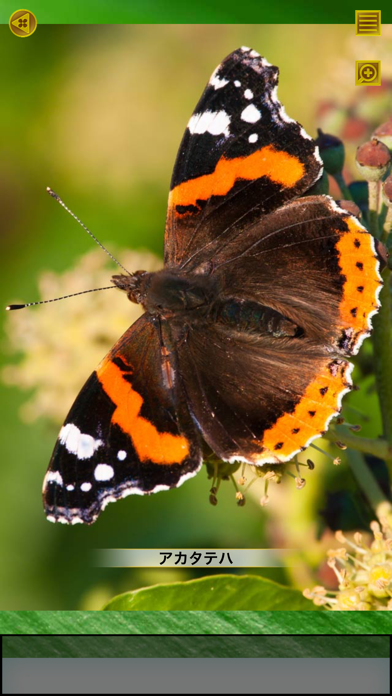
point(128, 432)
point(296, 295)
point(258, 398)
point(311, 261)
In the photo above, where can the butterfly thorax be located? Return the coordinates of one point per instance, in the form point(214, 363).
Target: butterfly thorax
point(170, 293)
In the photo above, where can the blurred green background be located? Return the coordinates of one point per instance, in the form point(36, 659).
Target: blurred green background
point(97, 113)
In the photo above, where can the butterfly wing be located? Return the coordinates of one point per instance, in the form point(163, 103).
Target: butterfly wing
point(241, 156)
point(311, 261)
point(260, 400)
point(129, 431)
point(265, 377)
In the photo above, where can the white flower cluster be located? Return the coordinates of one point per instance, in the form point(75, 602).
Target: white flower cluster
point(62, 342)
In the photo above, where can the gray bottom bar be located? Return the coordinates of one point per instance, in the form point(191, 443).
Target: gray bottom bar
point(195, 676)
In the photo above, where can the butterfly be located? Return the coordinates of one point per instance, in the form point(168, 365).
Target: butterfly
point(243, 346)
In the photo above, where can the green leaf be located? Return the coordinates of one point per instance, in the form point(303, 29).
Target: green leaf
point(216, 592)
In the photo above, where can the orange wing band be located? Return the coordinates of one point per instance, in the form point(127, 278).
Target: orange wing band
point(359, 264)
point(292, 432)
point(150, 445)
point(322, 399)
point(278, 166)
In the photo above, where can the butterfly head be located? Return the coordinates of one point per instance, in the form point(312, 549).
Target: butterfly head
point(132, 285)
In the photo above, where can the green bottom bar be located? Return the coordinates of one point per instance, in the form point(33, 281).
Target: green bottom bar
point(194, 622)
point(196, 646)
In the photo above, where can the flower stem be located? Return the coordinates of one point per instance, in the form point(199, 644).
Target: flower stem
point(374, 195)
point(378, 448)
point(344, 190)
point(369, 485)
point(387, 223)
point(383, 356)
point(382, 337)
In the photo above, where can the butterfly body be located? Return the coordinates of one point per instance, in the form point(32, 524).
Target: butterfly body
point(170, 292)
point(243, 346)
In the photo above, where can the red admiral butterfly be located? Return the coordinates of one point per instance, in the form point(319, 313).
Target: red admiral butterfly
point(243, 344)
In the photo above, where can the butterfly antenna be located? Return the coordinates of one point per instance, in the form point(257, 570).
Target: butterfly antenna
point(58, 199)
point(56, 299)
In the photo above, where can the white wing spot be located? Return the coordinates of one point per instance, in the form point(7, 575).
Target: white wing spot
point(214, 122)
point(248, 94)
point(216, 81)
point(86, 487)
point(78, 443)
point(53, 477)
point(103, 472)
point(251, 114)
point(121, 454)
point(237, 83)
point(70, 487)
point(253, 138)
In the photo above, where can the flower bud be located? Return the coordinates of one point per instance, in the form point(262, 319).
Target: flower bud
point(300, 482)
point(373, 160)
point(240, 498)
point(348, 600)
point(380, 578)
point(338, 443)
point(331, 152)
point(387, 190)
point(384, 133)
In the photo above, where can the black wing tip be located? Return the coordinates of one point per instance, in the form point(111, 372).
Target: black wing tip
point(253, 58)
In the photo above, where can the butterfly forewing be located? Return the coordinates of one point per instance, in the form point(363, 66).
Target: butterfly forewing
point(128, 431)
point(241, 156)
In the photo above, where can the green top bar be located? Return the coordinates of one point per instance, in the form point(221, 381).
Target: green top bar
point(179, 12)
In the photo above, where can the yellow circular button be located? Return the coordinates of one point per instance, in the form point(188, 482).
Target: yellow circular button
point(23, 23)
